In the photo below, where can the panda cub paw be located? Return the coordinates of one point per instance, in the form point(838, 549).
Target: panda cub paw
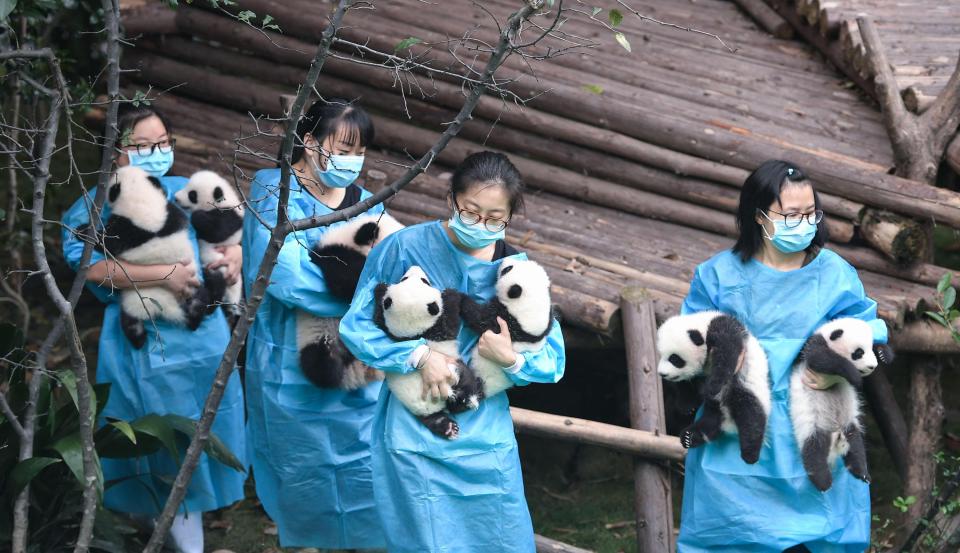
point(442, 425)
point(691, 438)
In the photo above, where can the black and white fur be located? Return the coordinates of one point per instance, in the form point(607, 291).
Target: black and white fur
point(736, 390)
point(412, 309)
point(146, 229)
point(826, 423)
point(343, 249)
point(216, 213)
point(522, 300)
point(340, 254)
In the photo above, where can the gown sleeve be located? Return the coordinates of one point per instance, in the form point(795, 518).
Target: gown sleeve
point(703, 294)
point(854, 303)
point(545, 366)
point(359, 332)
point(296, 281)
point(74, 221)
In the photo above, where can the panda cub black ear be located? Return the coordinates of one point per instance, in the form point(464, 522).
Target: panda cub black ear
point(836, 334)
point(114, 192)
point(217, 194)
point(367, 234)
point(155, 181)
point(696, 337)
point(515, 291)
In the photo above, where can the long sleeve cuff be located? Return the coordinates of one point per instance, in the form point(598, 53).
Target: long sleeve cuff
point(517, 365)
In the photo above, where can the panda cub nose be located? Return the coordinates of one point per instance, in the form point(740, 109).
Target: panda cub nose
point(514, 292)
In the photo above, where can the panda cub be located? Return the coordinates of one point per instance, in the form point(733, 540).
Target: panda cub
point(736, 390)
point(826, 423)
point(146, 229)
point(412, 309)
point(216, 213)
point(340, 254)
point(523, 301)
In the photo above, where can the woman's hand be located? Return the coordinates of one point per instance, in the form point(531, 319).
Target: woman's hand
point(182, 278)
point(497, 348)
point(819, 381)
point(437, 375)
point(232, 259)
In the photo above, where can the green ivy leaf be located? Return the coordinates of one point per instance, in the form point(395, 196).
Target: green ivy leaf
point(616, 18)
point(622, 39)
point(593, 89)
point(406, 43)
point(267, 19)
point(944, 282)
point(937, 317)
point(949, 297)
point(246, 16)
point(126, 429)
point(595, 11)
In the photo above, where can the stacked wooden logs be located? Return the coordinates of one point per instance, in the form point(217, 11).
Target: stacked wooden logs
point(661, 183)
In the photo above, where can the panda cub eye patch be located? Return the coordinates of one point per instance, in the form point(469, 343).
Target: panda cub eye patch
point(433, 308)
point(425, 281)
point(403, 279)
point(857, 354)
point(114, 192)
point(677, 361)
point(387, 302)
point(193, 196)
point(506, 270)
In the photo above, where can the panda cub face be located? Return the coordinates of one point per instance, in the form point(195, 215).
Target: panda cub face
point(206, 191)
point(411, 306)
point(682, 345)
point(852, 339)
point(523, 287)
point(139, 197)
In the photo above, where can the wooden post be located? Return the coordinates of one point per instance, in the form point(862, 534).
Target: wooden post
point(654, 501)
point(547, 545)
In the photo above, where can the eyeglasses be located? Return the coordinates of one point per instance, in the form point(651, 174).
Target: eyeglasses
point(793, 219)
point(165, 146)
point(471, 218)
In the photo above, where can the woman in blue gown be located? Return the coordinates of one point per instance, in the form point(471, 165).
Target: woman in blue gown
point(173, 372)
point(782, 284)
point(462, 495)
point(310, 446)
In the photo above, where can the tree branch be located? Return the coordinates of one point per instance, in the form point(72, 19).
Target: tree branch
point(943, 115)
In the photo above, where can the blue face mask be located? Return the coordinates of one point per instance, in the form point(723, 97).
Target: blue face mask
point(791, 240)
point(341, 170)
point(156, 163)
point(474, 236)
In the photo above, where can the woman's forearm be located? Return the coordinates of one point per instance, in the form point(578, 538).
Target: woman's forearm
point(115, 274)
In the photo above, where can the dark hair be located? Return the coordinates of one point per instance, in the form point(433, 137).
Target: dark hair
point(324, 118)
point(128, 115)
point(761, 189)
point(489, 167)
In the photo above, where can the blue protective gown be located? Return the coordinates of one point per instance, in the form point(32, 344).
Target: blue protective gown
point(310, 446)
point(169, 375)
point(731, 506)
point(435, 495)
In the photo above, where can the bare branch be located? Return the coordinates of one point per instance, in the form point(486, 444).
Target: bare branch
point(11, 416)
point(943, 115)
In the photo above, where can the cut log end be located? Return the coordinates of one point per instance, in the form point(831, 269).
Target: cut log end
point(902, 240)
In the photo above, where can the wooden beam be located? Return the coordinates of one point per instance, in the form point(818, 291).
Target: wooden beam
point(653, 498)
point(547, 545)
point(766, 18)
point(617, 438)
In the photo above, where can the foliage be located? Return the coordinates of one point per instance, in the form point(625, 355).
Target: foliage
point(55, 473)
point(946, 300)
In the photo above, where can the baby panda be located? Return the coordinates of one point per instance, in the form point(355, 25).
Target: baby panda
point(340, 254)
point(216, 213)
point(343, 250)
point(736, 390)
point(412, 309)
point(826, 423)
point(522, 300)
point(146, 229)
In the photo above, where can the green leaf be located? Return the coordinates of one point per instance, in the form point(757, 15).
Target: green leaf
point(949, 297)
point(157, 427)
point(71, 451)
point(944, 282)
point(216, 449)
point(622, 40)
point(593, 89)
point(27, 470)
point(6, 6)
point(246, 16)
point(407, 43)
point(615, 17)
point(936, 317)
point(126, 429)
point(595, 11)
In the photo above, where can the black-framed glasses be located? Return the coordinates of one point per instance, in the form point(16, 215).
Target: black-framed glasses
point(793, 219)
point(471, 218)
point(165, 146)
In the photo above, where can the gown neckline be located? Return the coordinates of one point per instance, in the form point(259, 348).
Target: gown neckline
point(813, 262)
